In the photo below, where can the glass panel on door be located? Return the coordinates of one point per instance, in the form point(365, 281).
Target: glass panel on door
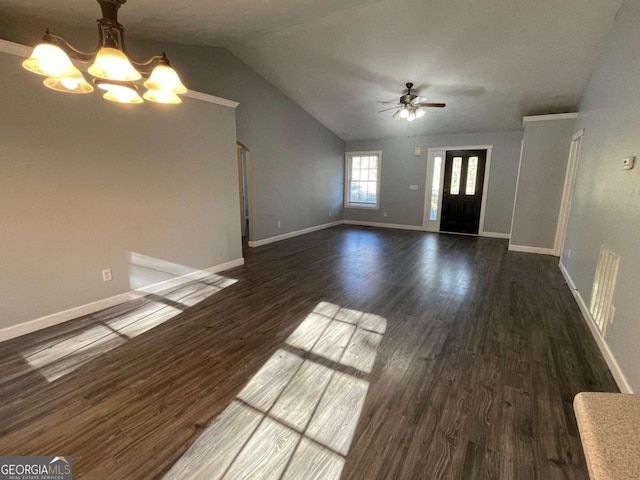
point(455, 176)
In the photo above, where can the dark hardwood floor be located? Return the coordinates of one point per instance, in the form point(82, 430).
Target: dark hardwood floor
point(347, 353)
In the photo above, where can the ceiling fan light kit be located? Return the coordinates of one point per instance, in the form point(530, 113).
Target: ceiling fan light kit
point(408, 109)
point(113, 69)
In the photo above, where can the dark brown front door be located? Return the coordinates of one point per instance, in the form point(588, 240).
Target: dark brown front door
point(462, 193)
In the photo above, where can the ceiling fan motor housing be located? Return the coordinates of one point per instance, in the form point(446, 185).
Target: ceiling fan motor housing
point(408, 98)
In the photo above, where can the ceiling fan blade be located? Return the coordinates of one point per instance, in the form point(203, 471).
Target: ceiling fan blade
point(387, 109)
point(397, 114)
point(436, 105)
point(395, 101)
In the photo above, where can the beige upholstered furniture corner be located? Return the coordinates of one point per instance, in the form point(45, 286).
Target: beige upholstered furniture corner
point(609, 425)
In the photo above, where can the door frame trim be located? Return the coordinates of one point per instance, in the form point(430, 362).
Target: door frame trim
point(244, 194)
point(247, 152)
point(433, 152)
point(567, 193)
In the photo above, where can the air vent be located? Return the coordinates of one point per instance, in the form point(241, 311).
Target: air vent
point(604, 284)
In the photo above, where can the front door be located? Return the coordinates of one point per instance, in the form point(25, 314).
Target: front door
point(462, 193)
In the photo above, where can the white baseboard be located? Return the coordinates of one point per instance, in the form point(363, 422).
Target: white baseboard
point(385, 225)
point(421, 228)
point(181, 280)
point(495, 235)
point(538, 250)
point(619, 377)
point(284, 236)
point(76, 312)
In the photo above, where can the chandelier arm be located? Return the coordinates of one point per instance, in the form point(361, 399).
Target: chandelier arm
point(79, 55)
point(112, 34)
point(145, 68)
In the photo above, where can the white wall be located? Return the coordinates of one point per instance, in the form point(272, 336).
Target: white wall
point(84, 183)
point(401, 168)
point(543, 165)
point(606, 202)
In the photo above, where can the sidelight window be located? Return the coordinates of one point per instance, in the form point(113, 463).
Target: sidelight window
point(435, 189)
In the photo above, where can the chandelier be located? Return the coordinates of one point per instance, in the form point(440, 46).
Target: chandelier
point(113, 69)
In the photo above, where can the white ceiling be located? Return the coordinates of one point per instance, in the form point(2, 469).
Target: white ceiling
point(491, 61)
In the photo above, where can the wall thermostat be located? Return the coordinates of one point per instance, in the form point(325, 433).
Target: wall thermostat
point(628, 162)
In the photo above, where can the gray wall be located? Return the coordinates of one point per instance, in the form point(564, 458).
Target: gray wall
point(543, 166)
point(85, 182)
point(296, 172)
point(606, 202)
point(401, 168)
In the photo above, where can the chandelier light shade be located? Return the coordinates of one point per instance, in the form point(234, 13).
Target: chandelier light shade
point(120, 92)
point(161, 97)
point(51, 61)
point(68, 85)
point(111, 66)
point(165, 79)
point(122, 95)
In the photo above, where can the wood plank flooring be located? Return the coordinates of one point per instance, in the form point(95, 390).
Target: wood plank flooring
point(348, 353)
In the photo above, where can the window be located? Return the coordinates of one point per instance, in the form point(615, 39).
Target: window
point(435, 189)
point(362, 180)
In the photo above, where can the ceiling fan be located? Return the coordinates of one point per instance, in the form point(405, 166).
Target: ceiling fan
point(411, 106)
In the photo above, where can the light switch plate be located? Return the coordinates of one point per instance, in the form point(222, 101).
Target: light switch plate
point(413, 187)
point(417, 151)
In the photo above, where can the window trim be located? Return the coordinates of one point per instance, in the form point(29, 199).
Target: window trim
point(347, 179)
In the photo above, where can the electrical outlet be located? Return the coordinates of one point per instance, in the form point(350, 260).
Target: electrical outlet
point(384, 214)
point(279, 224)
point(106, 275)
point(568, 253)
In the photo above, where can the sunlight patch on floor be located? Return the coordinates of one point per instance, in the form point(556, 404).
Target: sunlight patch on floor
point(349, 337)
point(111, 328)
point(297, 416)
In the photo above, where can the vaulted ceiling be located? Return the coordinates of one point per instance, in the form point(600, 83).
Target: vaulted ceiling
point(491, 61)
